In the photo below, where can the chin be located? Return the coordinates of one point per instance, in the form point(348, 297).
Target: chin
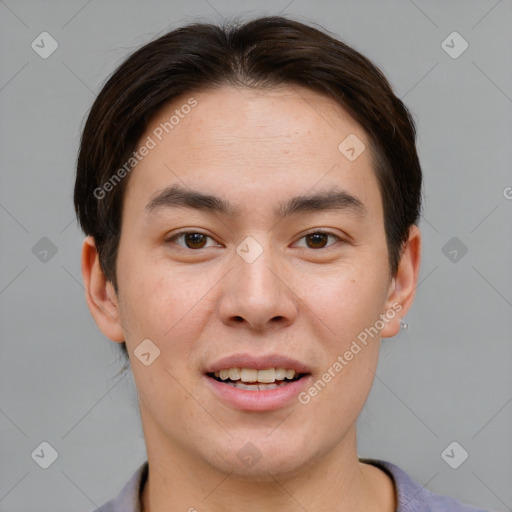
point(262, 458)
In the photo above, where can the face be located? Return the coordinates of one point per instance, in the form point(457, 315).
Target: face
point(284, 270)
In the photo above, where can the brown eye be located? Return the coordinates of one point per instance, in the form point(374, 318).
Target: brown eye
point(192, 239)
point(318, 239)
point(195, 240)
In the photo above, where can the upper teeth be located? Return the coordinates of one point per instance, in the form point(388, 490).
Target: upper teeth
point(253, 375)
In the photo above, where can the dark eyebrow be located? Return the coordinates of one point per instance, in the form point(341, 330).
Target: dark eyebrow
point(176, 196)
point(328, 200)
point(179, 197)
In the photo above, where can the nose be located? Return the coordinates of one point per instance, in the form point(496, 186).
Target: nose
point(258, 294)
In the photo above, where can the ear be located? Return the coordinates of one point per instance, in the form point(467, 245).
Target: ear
point(403, 286)
point(100, 294)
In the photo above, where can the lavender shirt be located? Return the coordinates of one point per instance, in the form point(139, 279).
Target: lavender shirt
point(412, 497)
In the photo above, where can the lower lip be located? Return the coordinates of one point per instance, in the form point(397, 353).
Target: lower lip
point(268, 400)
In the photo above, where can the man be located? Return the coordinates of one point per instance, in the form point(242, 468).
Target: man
point(251, 197)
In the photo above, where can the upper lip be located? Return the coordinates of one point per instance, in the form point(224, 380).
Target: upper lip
point(259, 362)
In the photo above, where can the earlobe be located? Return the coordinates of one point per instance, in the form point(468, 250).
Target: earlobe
point(100, 294)
point(403, 285)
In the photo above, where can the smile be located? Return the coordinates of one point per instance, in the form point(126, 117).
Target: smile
point(252, 379)
point(257, 396)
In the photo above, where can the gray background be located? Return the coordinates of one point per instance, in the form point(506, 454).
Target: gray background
point(447, 378)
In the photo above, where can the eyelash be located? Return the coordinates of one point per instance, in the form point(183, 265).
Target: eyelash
point(181, 233)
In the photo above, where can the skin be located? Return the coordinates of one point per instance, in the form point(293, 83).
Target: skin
point(255, 149)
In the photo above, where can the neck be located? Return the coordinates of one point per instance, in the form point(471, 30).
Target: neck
point(333, 482)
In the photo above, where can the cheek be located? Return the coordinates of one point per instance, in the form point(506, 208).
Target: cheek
point(348, 301)
point(347, 306)
point(163, 304)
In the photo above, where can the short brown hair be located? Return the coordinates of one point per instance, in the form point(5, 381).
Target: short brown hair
point(261, 53)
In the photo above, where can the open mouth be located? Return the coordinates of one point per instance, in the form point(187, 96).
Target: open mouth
point(256, 380)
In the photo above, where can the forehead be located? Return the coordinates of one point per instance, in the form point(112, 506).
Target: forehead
point(273, 142)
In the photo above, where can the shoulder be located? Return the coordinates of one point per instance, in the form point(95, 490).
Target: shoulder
point(412, 496)
point(128, 498)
